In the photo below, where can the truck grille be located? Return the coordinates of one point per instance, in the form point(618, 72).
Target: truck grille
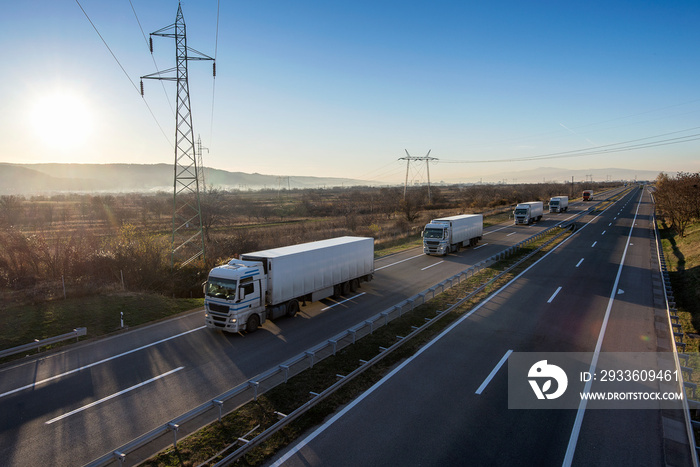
point(218, 308)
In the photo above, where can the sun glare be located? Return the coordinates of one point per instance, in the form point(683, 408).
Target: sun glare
point(61, 120)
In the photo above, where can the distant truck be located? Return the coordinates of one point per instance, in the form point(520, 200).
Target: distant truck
point(559, 204)
point(447, 234)
point(526, 213)
point(268, 284)
point(588, 195)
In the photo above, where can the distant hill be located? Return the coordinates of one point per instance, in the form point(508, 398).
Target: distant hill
point(29, 179)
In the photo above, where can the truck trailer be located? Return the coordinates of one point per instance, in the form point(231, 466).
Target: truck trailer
point(241, 295)
point(526, 213)
point(559, 204)
point(588, 195)
point(447, 234)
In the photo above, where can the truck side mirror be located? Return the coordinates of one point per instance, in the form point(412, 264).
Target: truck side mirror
point(421, 234)
point(204, 288)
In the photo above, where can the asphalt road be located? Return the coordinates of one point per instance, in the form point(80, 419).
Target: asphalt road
point(74, 406)
point(448, 405)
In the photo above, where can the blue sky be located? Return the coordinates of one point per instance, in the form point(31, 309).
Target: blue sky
point(343, 88)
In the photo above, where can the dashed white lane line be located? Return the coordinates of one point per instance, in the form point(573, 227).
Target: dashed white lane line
point(435, 264)
point(554, 295)
point(341, 302)
point(594, 244)
point(579, 263)
point(480, 246)
point(398, 262)
point(116, 394)
point(493, 372)
point(30, 386)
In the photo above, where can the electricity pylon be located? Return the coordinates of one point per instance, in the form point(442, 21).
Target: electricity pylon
point(188, 236)
point(408, 160)
point(200, 165)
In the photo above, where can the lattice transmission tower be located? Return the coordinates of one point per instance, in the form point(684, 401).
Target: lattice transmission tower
point(188, 235)
point(409, 158)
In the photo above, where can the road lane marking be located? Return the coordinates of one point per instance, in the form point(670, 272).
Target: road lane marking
point(493, 372)
point(554, 295)
point(341, 302)
point(604, 232)
point(398, 262)
point(579, 263)
point(512, 233)
point(428, 267)
point(30, 386)
point(594, 243)
point(105, 399)
point(573, 439)
point(496, 230)
point(480, 246)
point(609, 224)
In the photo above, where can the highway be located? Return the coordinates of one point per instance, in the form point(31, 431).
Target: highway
point(448, 405)
point(71, 407)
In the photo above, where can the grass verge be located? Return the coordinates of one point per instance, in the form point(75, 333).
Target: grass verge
point(683, 263)
point(100, 314)
point(285, 398)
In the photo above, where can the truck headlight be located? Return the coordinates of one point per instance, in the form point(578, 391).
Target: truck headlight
point(232, 320)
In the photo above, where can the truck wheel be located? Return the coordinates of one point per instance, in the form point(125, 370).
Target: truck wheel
point(354, 285)
point(292, 308)
point(252, 324)
point(345, 288)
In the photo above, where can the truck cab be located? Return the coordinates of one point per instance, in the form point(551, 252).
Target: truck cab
point(436, 238)
point(233, 296)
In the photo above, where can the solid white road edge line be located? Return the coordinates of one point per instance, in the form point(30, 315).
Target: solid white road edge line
point(573, 439)
point(30, 386)
point(85, 407)
point(493, 372)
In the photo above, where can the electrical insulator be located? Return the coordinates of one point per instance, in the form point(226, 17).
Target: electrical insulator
point(214, 68)
point(150, 43)
point(141, 88)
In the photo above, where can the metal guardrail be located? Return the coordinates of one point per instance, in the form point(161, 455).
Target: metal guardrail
point(677, 339)
point(256, 386)
point(44, 342)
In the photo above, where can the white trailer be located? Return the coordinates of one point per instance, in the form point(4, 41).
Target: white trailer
point(526, 213)
point(559, 204)
point(447, 234)
point(268, 284)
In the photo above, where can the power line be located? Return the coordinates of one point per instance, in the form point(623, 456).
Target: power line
point(148, 43)
point(123, 70)
point(608, 148)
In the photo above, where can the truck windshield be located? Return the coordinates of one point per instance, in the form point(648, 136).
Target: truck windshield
point(433, 233)
point(221, 288)
point(521, 211)
point(554, 203)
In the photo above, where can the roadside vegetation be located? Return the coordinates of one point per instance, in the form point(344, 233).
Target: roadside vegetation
point(97, 251)
point(678, 210)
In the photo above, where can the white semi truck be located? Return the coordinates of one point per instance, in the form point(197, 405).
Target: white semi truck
point(526, 213)
point(559, 204)
point(442, 236)
point(268, 284)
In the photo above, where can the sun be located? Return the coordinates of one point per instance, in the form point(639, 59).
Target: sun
point(61, 120)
